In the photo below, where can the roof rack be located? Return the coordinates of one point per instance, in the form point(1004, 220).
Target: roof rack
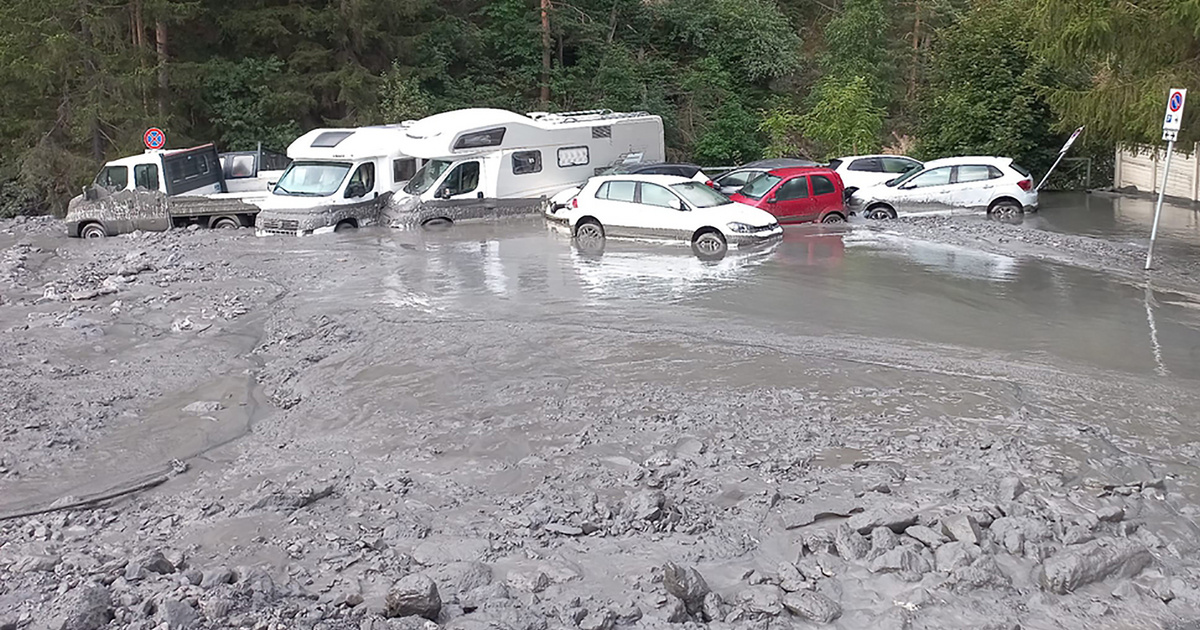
point(586, 114)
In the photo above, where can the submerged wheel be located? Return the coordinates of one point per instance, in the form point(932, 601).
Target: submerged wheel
point(1005, 209)
point(92, 230)
point(589, 236)
point(225, 223)
point(710, 245)
point(437, 223)
point(345, 226)
point(834, 217)
point(880, 212)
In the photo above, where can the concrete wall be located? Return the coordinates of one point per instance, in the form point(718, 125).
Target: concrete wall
point(1142, 168)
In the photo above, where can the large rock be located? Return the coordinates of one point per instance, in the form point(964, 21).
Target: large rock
point(812, 606)
point(926, 535)
point(687, 584)
point(763, 600)
point(414, 595)
point(850, 544)
point(1010, 489)
point(36, 563)
point(177, 616)
point(1012, 532)
point(905, 562)
point(955, 555)
point(647, 505)
point(883, 540)
point(460, 577)
point(82, 608)
point(963, 528)
point(896, 517)
point(1092, 562)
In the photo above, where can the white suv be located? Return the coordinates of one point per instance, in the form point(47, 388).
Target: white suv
point(995, 184)
point(864, 171)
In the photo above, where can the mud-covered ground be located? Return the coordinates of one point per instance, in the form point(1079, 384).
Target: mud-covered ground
point(936, 423)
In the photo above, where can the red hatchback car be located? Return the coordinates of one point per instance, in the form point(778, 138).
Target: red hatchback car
point(797, 195)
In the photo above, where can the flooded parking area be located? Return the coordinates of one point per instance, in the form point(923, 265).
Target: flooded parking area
point(346, 410)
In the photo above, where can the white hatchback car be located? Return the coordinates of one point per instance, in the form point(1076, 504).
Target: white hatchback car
point(995, 184)
point(864, 171)
point(664, 207)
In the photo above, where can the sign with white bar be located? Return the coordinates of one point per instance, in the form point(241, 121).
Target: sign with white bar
point(1173, 119)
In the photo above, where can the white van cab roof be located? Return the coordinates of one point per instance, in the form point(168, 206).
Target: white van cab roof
point(350, 143)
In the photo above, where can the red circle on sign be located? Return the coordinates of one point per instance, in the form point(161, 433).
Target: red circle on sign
point(154, 138)
point(1176, 101)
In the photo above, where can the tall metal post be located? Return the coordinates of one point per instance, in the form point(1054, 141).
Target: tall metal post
point(1158, 206)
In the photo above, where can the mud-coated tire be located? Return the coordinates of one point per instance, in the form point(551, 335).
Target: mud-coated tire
point(92, 230)
point(345, 226)
point(224, 223)
point(880, 212)
point(833, 217)
point(710, 245)
point(1005, 209)
point(590, 237)
point(437, 224)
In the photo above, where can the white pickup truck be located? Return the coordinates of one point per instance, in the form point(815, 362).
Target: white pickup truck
point(158, 190)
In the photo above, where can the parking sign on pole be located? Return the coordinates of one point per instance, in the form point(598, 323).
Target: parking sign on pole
point(1172, 124)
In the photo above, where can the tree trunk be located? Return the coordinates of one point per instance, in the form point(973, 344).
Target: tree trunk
point(160, 39)
point(139, 26)
point(916, 49)
point(545, 95)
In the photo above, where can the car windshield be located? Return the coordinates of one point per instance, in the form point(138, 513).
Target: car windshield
point(905, 177)
point(312, 179)
point(700, 195)
point(759, 186)
point(426, 177)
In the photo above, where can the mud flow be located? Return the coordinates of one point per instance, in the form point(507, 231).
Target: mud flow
point(929, 423)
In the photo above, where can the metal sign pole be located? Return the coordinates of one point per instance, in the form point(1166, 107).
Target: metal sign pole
point(1043, 182)
point(1158, 206)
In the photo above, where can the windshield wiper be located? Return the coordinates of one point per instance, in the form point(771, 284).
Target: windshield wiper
point(285, 191)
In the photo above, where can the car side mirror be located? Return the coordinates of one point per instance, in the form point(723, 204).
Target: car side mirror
point(444, 193)
point(772, 200)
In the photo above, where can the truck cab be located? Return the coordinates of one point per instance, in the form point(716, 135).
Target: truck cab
point(195, 171)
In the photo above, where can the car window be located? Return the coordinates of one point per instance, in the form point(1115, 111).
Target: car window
point(655, 195)
point(968, 173)
point(759, 186)
point(700, 195)
point(617, 191)
point(834, 164)
point(898, 165)
point(114, 177)
point(146, 176)
point(796, 188)
point(463, 179)
point(525, 162)
point(403, 169)
point(1021, 169)
point(362, 181)
point(935, 177)
point(822, 186)
point(870, 165)
point(736, 178)
point(994, 173)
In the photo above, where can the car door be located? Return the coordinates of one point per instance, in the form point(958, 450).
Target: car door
point(973, 185)
point(825, 197)
point(928, 191)
point(862, 172)
point(663, 215)
point(615, 206)
point(790, 202)
point(464, 181)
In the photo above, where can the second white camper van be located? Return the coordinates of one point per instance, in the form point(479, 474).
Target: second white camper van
point(488, 162)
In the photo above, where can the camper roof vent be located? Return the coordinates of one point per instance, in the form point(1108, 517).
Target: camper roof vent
point(331, 139)
point(584, 116)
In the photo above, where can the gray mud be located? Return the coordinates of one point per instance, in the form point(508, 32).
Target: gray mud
point(896, 426)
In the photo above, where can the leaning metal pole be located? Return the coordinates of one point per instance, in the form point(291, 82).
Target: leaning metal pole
point(1158, 206)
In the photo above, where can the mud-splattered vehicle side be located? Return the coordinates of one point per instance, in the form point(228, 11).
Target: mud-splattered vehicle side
point(412, 211)
point(100, 213)
point(317, 216)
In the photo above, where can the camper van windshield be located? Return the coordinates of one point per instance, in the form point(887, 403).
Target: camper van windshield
point(312, 179)
point(426, 177)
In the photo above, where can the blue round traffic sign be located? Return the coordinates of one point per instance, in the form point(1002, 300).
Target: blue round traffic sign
point(1176, 101)
point(155, 138)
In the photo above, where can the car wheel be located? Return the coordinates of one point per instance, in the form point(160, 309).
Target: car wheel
point(1005, 210)
point(589, 236)
point(345, 226)
point(224, 223)
point(437, 224)
point(710, 245)
point(880, 213)
point(92, 230)
point(833, 217)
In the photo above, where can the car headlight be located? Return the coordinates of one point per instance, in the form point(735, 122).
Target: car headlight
point(743, 228)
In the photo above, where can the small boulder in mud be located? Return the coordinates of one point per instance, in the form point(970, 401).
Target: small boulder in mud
point(687, 584)
point(1092, 562)
point(897, 517)
point(203, 406)
point(963, 528)
point(850, 544)
point(82, 608)
point(812, 606)
point(414, 595)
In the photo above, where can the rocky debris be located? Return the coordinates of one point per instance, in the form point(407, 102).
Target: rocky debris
point(1091, 562)
point(82, 608)
point(714, 608)
point(849, 543)
point(790, 578)
point(293, 498)
point(564, 530)
point(963, 528)
point(883, 540)
point(1013, 533)
point(926, 536)
point(414, 595)
point(687, 585)
point(460, 577)
point(598, 620)
point(896, 517)
point(1111, 513)
point(647, 505)
point(212, 578)
point(955, 555)
point(534, 581)
point(762, 601)
point(36, 563)
point(982, 573)
point(175, 615)
point(812, 606)
point(903, 561)
point(1011, 488)
point(203, 406)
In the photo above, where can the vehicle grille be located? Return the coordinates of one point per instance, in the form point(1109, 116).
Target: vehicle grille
point(764, 228)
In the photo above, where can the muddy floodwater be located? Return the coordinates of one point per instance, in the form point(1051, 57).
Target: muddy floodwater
point(941, 423)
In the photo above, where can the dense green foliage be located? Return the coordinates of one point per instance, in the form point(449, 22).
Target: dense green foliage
point(734, 80)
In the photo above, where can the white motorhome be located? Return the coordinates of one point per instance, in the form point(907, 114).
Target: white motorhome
point(511, 160)
point(339, 179)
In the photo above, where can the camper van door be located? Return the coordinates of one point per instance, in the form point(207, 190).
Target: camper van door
point(464, 180)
